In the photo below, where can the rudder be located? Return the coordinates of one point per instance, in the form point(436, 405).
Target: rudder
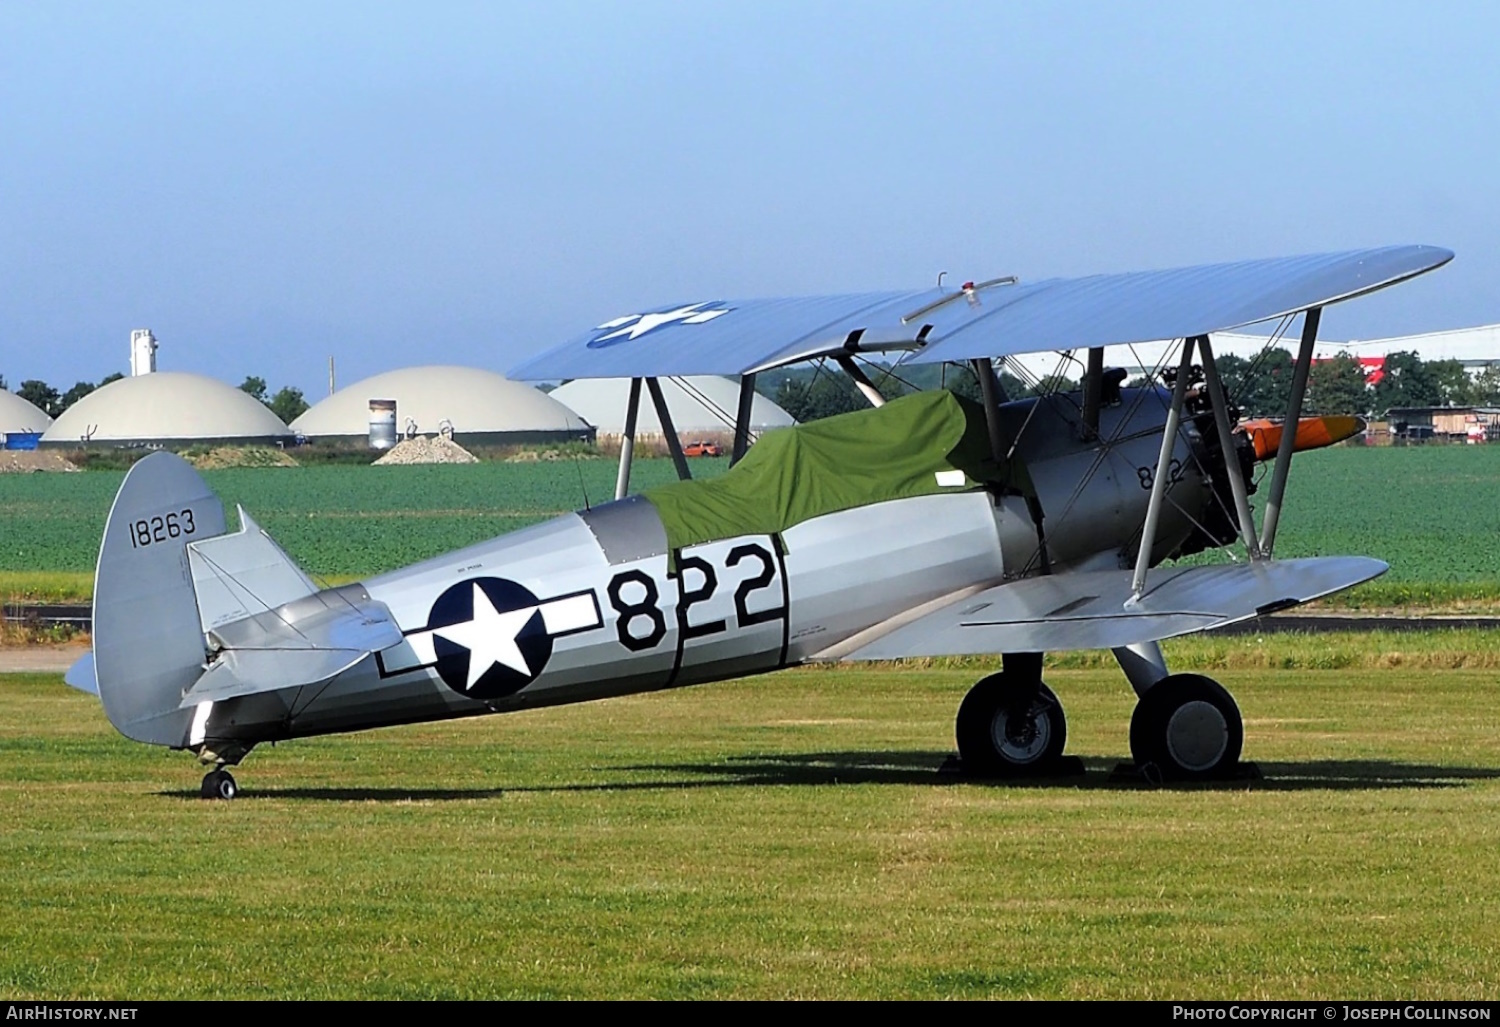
point(148, 639)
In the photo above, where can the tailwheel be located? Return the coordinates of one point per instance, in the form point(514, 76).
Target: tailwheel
point(1010, 727)
point(219, 784)
point(1186, 728)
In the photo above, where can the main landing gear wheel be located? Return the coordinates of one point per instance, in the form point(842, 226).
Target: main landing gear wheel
point(1186, 728)
point(1010, 728)
point(219, 784)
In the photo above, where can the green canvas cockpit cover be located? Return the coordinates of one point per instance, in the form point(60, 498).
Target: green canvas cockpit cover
point(870, 456)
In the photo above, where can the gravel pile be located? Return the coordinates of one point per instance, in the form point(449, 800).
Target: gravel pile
point(26, 460)
point(425, 450)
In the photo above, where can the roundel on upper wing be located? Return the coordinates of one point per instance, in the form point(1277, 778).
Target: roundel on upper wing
point(489, 636)
point(633, 326)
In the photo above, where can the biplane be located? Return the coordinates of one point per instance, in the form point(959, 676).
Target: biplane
point(926, 525)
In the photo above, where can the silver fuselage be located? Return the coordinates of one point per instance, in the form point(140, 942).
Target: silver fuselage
point(612, 611)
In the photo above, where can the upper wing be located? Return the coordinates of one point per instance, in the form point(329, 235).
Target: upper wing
point(742, 336)
point(1089, 610)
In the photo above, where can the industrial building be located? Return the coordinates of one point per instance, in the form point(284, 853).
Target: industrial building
point(1449, 424)
point(1474, 348)
point(20, 422)
point(699, 405)
point(474, 406)
point(166, 408)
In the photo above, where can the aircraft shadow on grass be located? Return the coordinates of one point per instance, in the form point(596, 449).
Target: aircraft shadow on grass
point(1092, 772)
point(923, 768)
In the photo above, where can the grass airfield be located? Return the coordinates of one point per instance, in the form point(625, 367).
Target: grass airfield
point(787, 836)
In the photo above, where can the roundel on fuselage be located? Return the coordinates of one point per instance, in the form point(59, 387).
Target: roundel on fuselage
point(490, 637)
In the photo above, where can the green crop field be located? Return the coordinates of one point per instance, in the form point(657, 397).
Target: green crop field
point(1432, 512)
point(788, 836)
point(336, 521)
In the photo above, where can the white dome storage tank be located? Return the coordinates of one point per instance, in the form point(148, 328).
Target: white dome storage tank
point(19, 417)
point(166, 408)
point(479, 406)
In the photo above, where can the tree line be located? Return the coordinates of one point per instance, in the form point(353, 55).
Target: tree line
point(51, 402)
point(1339, 384)
point(1259, 388)
point(287, 404)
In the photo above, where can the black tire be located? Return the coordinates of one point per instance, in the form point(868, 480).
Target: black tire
point(219, 784)
point(1010, 728)
point(1187, 728)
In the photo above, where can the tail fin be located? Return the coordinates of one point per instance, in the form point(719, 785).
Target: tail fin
point(148, 635)
point(187, 615)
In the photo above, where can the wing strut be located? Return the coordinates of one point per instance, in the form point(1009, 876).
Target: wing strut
point(993, 394)
point(1289, 435)
point(1226, 448)
point(861, 381)
point(627, 441)
point(1093, 393)
point(990, 393)
point(742, 419)
point(1163, 472)
point(663, 415)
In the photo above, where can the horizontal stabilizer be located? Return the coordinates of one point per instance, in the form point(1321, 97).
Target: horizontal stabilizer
point(243, 574)
point(81, 675)
point(1092, 610)
point(303, 642)
point(240, 672)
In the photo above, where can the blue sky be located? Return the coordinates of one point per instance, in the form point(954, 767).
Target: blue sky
point(265, 185)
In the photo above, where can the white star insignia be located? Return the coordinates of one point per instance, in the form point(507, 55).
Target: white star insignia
point(635, 325)
point(490, 637)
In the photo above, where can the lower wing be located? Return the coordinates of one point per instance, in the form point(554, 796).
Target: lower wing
point(1094, 610)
